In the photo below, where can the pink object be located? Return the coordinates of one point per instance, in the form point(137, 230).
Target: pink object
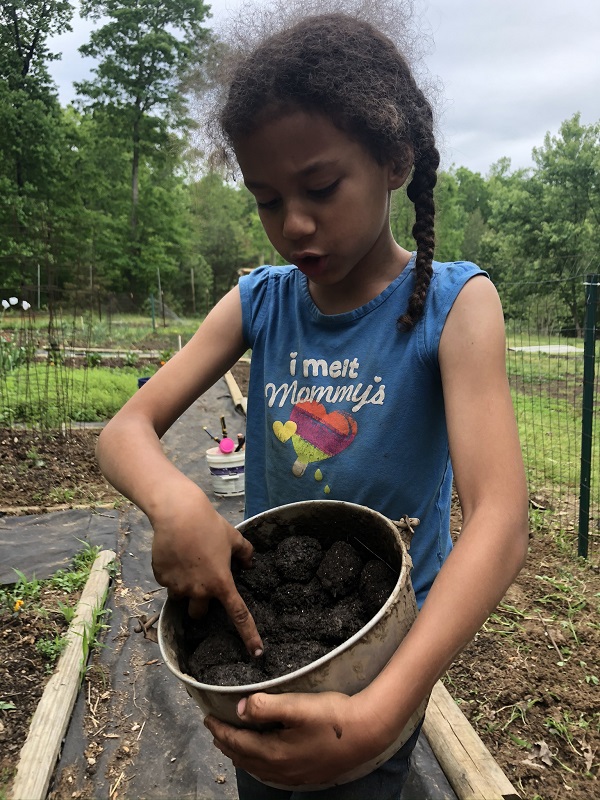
point(226, 445)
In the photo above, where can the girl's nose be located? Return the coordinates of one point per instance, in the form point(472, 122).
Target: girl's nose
point(297, 223)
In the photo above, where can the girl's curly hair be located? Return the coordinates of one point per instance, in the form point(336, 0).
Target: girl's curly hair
point(346, 69)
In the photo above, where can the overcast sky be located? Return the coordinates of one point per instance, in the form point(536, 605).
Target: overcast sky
point(509, 71)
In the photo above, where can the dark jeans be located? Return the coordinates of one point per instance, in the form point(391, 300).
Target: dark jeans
point(385, 783)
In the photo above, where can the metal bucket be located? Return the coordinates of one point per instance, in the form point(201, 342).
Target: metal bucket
point(351, 666)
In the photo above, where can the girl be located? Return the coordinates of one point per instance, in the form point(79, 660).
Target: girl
point(377, 377)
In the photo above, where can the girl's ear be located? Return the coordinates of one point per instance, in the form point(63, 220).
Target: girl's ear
point(400, 168)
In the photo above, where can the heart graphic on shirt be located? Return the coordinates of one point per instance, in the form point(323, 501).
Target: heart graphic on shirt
point(284, 432)
point(319, 434)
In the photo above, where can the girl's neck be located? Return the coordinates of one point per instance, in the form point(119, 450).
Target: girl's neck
point(361, 286)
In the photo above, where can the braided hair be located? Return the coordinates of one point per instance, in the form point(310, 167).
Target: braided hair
point(346, 69)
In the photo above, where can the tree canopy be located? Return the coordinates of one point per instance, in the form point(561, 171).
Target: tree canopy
point(108, 193)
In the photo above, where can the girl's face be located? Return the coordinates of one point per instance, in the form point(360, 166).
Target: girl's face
point(324, 203)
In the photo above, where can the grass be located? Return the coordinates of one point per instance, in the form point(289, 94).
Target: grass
point(548, 399)
point(550, 433)
point(50, 395)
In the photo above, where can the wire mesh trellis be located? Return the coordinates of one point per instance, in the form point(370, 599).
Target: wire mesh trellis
point(553, 353)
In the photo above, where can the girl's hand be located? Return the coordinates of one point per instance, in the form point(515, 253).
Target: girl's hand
point(323, 736)
point(191, 555)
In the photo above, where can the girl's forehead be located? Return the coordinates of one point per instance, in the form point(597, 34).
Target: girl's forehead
point(299, 143)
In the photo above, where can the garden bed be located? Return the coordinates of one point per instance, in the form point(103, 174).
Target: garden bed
point(49, 470)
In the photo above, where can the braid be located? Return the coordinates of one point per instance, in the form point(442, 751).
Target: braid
point(420, 192)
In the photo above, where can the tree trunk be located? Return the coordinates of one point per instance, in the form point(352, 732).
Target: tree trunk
point(135, 169)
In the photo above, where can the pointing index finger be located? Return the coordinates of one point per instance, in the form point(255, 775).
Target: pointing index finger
point(238, 612)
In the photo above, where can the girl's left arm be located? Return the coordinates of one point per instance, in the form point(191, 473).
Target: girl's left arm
point(490, 481)
point(327, 734)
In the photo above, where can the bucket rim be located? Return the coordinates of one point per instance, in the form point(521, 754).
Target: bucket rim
point(273, 683)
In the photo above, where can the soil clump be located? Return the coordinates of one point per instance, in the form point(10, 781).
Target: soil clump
point(305, 599)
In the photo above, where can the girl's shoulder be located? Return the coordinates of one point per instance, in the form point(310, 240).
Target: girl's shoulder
point(448, 279)
point(455, 271)
point(265, 289)
point(267, 273)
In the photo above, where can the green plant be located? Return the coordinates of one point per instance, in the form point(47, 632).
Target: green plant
point(12, 354)
point(48, 398)
point(7, 706)
point(23, 592)
point(55, 355)
point(51, 648)
point(74, 578)
point(131, 359)
point(90, 636)
point(523, 743)
point(61, 495)
point(518, 711)
point(84, 558)
point(6, 776)
point(34, 458)
point(538, 519)
point(93, 359)
point(68, 612)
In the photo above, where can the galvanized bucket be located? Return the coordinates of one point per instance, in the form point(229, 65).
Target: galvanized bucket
point(351, 666)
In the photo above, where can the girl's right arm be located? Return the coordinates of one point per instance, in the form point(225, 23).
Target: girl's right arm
point(193, 544)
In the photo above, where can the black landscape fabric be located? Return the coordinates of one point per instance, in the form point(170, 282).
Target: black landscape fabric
point(152, 738)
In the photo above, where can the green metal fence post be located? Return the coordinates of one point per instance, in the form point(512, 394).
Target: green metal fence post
point(587, 423)
point(153, 314)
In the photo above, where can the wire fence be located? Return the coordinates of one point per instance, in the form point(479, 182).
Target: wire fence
point(552, 360)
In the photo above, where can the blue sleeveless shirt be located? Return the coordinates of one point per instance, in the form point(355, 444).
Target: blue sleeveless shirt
point(346, 407)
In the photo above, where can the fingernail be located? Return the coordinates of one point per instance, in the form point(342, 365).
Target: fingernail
point(258, 653)
point(241, 707)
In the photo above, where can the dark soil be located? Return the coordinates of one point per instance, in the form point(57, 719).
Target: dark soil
point(529, 682)
point(305, 601)
point(41, 470)
point(24, 671)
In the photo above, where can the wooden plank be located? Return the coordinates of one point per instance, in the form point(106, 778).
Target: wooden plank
point(469, 766)
point(51, 719)
point(19, 511)
point(239, 401)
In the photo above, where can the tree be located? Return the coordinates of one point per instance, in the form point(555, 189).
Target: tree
point(33, 142)
point(218, 212)
point(568, 171)
point(144, 52)
point(544, 223)
point(449, 219)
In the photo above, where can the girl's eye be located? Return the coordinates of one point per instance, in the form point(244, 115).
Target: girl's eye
point(268, 205)
point(326, 191)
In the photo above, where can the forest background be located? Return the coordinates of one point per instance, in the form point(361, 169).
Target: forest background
point(112, 193)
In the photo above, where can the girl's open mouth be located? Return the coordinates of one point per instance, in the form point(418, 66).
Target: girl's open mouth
point(311, 266)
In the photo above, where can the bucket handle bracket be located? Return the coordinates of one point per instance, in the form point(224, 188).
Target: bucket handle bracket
point(406, 526)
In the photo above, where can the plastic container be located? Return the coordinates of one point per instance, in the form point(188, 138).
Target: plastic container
point(226, 472)
point(351, 666)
